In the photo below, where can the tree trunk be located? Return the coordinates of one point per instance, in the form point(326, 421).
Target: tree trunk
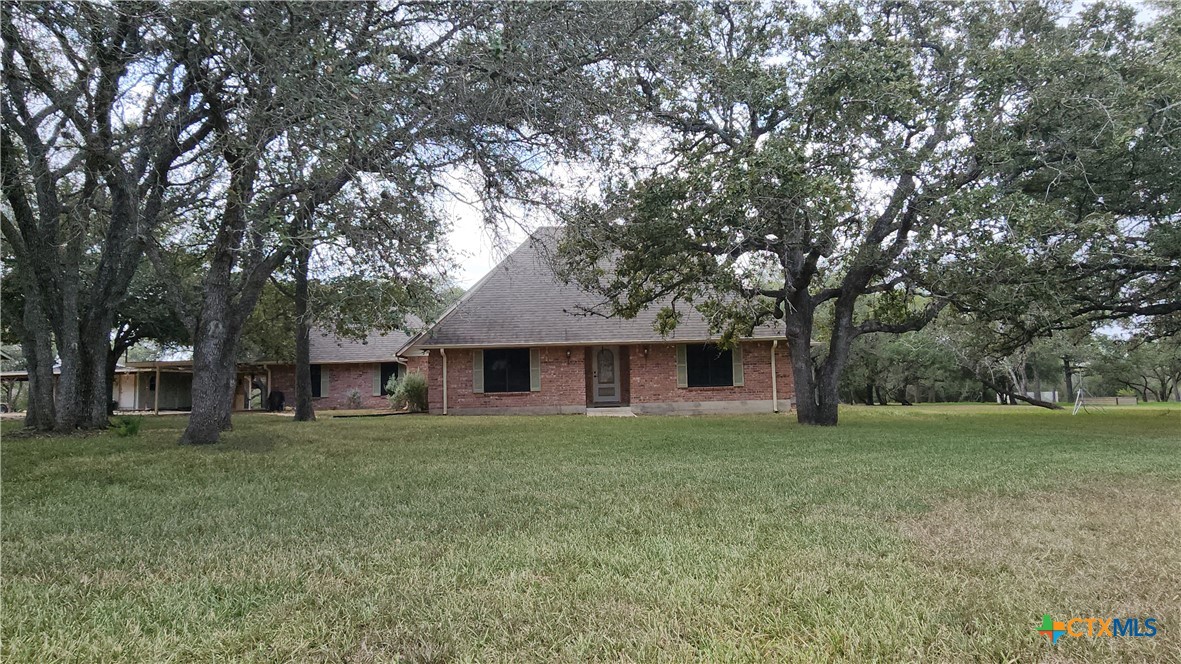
point(805, 384)
point(112, 364)
point(97, 372)
point(41, 412)
point(881, 396)
point(69, 390)
point(827, 397)
point(214, 367)
point(869, 394)
point(213, 385)
point(1069, 378)
point(304, 410)
point(902, 399)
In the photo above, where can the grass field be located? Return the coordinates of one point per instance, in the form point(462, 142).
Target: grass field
point(937, 534)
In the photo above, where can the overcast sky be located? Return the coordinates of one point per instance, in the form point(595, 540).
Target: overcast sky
point(474, 247)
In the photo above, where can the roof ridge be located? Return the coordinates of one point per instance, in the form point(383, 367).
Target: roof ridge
point(474, 289)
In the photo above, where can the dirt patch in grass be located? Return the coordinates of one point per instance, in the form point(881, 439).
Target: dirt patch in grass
point(1091, 551)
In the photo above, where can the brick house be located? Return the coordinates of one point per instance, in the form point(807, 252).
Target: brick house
point(521, 341)
point(348, 373)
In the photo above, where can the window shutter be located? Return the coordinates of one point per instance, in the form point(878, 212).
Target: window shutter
point(377, 381)
point(477, 371)
point(534, 369)
point(323, 381)
point(682, 367)
point(736, 358)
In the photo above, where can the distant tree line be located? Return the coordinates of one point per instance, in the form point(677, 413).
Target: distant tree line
point(932, 366)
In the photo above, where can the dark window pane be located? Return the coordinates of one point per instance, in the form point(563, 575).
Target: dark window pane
point(709, 366)
point(506, 370)
point(388, 370)
point(316, 381)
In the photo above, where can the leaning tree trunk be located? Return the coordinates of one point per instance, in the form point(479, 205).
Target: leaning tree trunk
point(214, 368)
point(1009, 396)
point(304, 411)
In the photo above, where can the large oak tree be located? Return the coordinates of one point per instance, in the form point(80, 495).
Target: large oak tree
point(96, 123)
point(811, 156)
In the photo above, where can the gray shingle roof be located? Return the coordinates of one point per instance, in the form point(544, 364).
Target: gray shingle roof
point(521, 302)
point(327, 348)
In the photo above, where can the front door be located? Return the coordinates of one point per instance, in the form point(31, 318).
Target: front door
point(605, 374)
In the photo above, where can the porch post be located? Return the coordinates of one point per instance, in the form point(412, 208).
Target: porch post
point(156, 405)
point(443, 352)
point(774, 379)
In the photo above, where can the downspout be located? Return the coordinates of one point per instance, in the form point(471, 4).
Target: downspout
point(443, 352)
point(774, 379)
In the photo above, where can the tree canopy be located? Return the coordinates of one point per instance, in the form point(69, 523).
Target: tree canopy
point(849, 168)
point(812, 156)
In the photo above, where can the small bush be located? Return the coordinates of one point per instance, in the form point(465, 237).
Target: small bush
point(127, 426)
point(408, 392)
point(353, 401)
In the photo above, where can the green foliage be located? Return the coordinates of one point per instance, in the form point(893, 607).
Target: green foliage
point(1085, 215)
point(1148, 368)
point(409, 392)
point(269, 332)
point(812, 155)
point(127, 426)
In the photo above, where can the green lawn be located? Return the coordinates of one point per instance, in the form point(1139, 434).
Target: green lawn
point(937, 534)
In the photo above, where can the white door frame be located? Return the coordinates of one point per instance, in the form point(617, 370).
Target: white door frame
point(613, 396)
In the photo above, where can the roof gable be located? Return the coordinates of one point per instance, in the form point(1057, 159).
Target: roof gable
point(522, 302)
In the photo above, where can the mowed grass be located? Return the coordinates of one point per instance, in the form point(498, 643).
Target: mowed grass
point(926, 533)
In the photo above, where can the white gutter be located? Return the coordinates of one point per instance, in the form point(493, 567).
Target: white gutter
point(578, 344)
point(443, 352)
point(774, 379)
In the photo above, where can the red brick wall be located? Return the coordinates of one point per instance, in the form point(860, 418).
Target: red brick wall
point(562, 382)
point(417, 364)
point(651, 379)
point(654, 378)
point(342, 378)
